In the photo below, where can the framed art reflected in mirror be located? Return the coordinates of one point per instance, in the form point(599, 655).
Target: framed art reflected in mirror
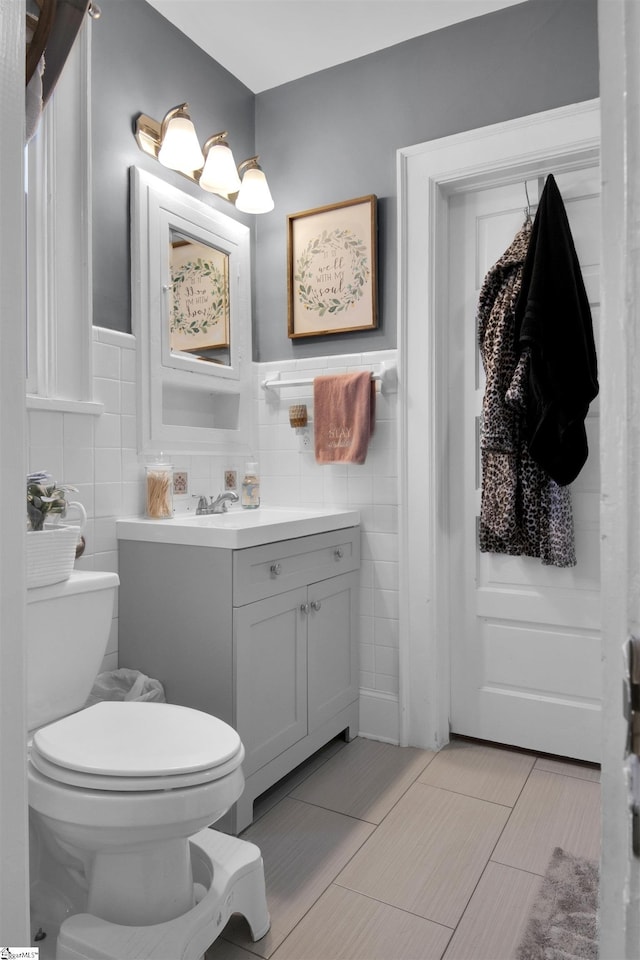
point(199, 311)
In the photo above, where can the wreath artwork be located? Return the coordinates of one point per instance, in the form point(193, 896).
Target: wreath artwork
point(199, 302)
point(323, 269)
point(332, 269)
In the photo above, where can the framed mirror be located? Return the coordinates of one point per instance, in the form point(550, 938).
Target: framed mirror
point(191, 296)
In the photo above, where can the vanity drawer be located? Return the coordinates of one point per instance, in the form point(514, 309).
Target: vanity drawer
point(267, 570)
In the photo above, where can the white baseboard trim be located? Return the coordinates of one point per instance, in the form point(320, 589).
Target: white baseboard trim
point(379, 716)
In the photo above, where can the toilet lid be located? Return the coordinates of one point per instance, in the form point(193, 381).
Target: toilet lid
point(112, 784)
point(138, 740)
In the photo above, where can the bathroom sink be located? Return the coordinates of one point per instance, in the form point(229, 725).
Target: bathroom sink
point(238, 528)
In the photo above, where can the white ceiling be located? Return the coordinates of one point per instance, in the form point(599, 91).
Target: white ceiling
point(268, 42)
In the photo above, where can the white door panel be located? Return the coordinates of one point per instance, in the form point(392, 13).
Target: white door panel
point(525, 646)
point(535, 606)
point(516, 649)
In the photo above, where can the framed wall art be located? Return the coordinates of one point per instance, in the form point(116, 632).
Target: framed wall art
point(199, 314)
point(332, 283)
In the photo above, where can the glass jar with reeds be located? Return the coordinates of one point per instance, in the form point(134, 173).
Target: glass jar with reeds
point(159, 489)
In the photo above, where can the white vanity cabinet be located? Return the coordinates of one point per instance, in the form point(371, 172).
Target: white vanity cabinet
point(263, 637)
point(294, 665)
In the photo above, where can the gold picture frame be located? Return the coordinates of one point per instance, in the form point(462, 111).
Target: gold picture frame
point(332, 268)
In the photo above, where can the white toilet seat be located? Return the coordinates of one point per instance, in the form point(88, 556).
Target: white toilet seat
point(134, 784)
point(136, 747)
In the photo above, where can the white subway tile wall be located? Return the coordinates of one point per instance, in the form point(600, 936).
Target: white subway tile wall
point(98, 455)
point(290, 476)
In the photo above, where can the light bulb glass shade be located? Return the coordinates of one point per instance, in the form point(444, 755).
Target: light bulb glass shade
point(180, 149)
point(254, 195)
point(220, 174)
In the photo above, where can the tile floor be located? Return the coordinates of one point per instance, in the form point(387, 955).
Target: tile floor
point(376, 852)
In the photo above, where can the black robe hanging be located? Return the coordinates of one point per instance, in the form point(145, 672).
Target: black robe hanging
point(553, 323)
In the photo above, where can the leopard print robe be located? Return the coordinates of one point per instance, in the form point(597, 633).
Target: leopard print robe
point(523, 511)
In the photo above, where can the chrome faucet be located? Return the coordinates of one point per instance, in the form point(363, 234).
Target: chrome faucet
point(219, 505)
point(222, 501)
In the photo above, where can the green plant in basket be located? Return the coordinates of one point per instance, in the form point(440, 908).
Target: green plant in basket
point(46, 499)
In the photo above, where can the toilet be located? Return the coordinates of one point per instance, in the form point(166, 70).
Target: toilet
point(121, 795)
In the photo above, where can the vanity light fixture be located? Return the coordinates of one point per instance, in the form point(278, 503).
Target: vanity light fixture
point(254, 195)
point(219, 174)
point(179, 147)
point(174, 143)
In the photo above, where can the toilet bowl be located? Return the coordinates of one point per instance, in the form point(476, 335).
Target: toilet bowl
point(119, 792)
point(126, 785)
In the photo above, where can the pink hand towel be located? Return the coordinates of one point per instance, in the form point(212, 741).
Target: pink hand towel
point(344, 417)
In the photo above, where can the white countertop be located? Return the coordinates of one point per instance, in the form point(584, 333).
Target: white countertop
point(238, 528)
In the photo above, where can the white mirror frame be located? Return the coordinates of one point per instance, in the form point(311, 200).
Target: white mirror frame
point(156, 209)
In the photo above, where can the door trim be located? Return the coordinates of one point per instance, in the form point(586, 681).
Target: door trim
point(428, 175)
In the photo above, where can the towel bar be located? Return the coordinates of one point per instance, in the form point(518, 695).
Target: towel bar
point(387, 376)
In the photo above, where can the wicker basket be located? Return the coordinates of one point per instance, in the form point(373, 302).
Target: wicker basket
point(50, 554)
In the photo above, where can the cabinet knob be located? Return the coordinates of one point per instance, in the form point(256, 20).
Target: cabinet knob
point(338, 553)
point(276, 569)
point(315, 605)
point(304, 608)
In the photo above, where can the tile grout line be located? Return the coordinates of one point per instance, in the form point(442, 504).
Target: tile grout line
point(489, 858)
point(360, 819)
point(355, 852)
point(499, 862)
point(375, 827)
point(366, 896)
point(415, 779)
point(298, 783)
point(385, 903)
point(570, 776)
point(331, 882)
point(335, 882)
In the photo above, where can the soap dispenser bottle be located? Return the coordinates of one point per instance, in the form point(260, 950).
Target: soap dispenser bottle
point(251, 487)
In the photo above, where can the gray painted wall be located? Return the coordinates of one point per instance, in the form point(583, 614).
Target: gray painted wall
point(142, 64)
point(324, 138)
point(334, 135)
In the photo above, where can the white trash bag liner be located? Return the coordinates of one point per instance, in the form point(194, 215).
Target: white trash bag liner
point(125, 684)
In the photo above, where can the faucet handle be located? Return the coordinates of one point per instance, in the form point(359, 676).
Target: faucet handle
point(202, 502)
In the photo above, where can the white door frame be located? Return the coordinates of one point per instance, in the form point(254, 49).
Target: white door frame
point(428, 174)
point(14, 875)
point(619, 49)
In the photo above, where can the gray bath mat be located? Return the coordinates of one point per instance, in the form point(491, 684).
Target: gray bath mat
point(564, 920)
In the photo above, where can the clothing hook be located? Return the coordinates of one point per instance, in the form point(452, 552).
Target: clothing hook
point(527, 212)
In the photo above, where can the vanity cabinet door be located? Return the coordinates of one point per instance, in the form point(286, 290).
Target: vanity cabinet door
point(332, 647)
point(270, 666)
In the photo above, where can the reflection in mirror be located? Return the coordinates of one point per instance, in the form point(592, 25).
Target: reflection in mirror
point(199, 302)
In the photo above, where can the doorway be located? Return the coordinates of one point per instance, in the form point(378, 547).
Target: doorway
point(431, 176)
point(524, 637)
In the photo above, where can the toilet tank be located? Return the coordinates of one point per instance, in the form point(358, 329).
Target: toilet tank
point(67, 631)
